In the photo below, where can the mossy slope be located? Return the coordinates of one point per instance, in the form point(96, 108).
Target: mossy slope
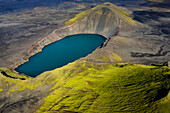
point(98, 87)
point(157, 0)
point(122, 15)
point(80, 16)
point(112, 88)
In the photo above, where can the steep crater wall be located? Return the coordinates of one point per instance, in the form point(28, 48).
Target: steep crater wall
point(102, 20)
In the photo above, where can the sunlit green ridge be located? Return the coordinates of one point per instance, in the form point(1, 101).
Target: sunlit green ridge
point(157, 0)
point(100, 87)
point(123, 15)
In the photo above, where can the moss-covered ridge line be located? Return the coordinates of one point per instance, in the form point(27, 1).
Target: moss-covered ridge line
point(113, 88)
point(8, 73)
point(90, 86)
point(106, 20)
point(123, 15)
point(80, 16)
point(157, 1)
point(15, 81)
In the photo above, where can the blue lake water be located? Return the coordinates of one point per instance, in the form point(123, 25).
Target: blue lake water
point(60, 53)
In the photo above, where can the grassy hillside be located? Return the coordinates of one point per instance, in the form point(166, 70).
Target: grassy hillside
point(101, 87)
point(113, 88)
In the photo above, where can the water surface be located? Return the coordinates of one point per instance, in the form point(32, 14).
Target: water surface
point(61, 53)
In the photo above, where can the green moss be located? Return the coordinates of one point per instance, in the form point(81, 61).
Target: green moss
point(80, 16)
point(12, 74)
point(118, 59)
point(97, 87)
point(15, 83)
point(164, 107)
point(1, 90)
point(123, 15)
point(112, 88)
point(157, 0)
point(22, 85)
